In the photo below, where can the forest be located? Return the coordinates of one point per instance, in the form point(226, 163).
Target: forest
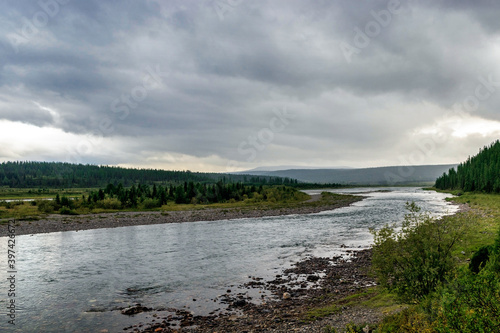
point(478, 173)
point(67, 175)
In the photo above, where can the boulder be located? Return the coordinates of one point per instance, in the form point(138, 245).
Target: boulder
point(135, 310)
point(312, 278)
point(240, 303)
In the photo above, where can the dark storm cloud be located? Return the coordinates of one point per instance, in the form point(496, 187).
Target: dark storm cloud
point(193, 78)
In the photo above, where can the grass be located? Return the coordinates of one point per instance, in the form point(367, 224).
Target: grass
point(483, 223)
point(383, 301)
point(371, 298)
point(7, 193)
point(321, 312)
point(24, 211)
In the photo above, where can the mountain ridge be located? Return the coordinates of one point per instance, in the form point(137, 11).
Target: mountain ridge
point(388, 175)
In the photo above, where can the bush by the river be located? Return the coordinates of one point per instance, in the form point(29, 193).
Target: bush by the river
point(415, 261)
point(418, 264)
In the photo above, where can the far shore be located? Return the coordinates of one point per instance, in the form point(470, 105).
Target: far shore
point(57, 223)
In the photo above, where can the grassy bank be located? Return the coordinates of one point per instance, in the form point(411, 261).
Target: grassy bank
point(486, 210)
point(41, 207)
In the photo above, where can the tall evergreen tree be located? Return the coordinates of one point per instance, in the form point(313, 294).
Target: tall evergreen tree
point(478, 173)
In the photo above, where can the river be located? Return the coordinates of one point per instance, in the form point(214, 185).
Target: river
point(78, 281)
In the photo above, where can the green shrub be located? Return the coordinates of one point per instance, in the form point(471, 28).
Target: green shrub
point(329, 329)
point(150, 203)
point(67, 211)
point(109, 203)
point(12, 204)
point(46, 206)
point(479, 259)
point(409, 320)
point(353, 328)
point(416, 260)
point(65, 202)
point(471, 303)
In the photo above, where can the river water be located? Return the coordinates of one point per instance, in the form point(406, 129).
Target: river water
point(78, 281)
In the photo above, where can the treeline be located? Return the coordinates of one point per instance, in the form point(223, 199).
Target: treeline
point(67, 175)
point(478, 173)
point(149, 197)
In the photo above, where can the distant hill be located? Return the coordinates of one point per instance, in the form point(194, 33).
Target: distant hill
point(478, 173)
point(392, 175)
point(290, 167)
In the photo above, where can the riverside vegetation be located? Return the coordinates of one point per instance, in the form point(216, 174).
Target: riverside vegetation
point(447, 271)
point(117, 206)
point(144, 197)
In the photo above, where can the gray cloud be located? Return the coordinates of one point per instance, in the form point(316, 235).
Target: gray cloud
point(217, 82)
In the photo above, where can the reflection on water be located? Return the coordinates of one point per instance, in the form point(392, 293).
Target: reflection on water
point(77, 281)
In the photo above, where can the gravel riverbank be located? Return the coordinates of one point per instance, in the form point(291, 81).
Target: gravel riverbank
point(311, 284)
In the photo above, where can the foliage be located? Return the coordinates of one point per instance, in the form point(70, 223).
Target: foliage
point(329, 329)
point(109, 203)
point(46, 206)
point(471, 303)
point(353, 328)
point(148, 203)
point(67, 211)
point(478, 173)
point(416, 260)
point(411, 319)
point(479, 259)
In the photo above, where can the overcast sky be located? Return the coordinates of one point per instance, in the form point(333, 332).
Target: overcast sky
point(229, 85)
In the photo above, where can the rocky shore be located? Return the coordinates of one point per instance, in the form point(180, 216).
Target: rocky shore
point(57, 222)
point(310, 297)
